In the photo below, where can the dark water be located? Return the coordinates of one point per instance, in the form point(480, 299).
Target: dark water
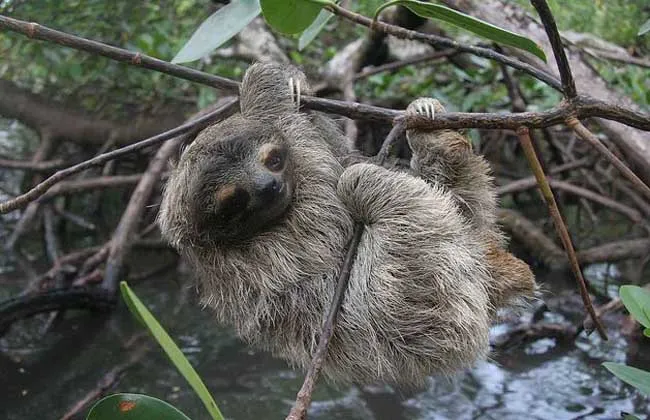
point(42, 379)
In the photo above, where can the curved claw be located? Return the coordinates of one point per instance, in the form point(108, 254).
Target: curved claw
point(294, 89)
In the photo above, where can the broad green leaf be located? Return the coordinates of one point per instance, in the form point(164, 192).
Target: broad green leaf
point(291, 16)
point(640, 379)
point(467, 22)
point(171, 349)
point(218, 28)
point(134, 407)
point(630, 417)
point(314, 29)
point(637, 302)
point(645, 28)
point(646, 332)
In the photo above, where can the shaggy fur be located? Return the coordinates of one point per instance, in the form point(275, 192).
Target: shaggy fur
point(429, 273)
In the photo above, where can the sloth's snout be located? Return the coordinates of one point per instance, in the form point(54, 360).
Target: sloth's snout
point(267, 189)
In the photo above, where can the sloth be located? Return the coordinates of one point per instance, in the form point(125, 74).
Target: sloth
point(263, 206)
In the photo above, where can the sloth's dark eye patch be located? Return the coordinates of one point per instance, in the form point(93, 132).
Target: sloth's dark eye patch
point(232, 200)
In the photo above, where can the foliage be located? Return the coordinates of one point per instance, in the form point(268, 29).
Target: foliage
point(134, 407)
point(218, 28)
point(98, 84)
point(477, 26)
point(637, 302)
point(298, 16)
point(142, 314)
point(143, 407)
point(598, 17)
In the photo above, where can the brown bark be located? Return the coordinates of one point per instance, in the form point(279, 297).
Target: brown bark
point(63, 122)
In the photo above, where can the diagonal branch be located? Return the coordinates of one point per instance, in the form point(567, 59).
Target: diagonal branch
point(196, 125)
point(560, 226)
point(568, 84)
point(303, 399)
point(36, 31)
point(587, 136)
point(439, 41)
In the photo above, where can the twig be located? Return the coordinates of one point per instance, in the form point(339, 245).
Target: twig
point(76, 219)
point(43, 151)
point(77, 186)
point(443, 42)
point(303, 399)
point(44, 166)
point(560, 226)
point(51, 242)
point(568, 84)
point(396, 65)
point(586, 135)
point(529, 182)
point(41, 188)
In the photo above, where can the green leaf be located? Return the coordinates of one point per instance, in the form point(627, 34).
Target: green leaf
point(637, 303)
point(630, 417)
point(314, 29)
point(645, 28)
point(640, 379)
point(472, 24)
point(134, 407)
point(218, 28)
point(171, 349)
point(291, 16)
point(646, 332)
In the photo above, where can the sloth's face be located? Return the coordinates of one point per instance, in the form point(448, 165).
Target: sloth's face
point(244, 186)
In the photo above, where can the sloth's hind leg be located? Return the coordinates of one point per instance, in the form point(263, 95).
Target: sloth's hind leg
point(445, 158)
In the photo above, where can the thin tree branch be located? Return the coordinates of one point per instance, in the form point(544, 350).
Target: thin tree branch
point(560, 226)
point(396, 65)
point(545, 14)
point(303, 399)
point(582, 106)
point(587, 135)
point(443, 42)
point(43, 166)
point(36, 31)
point(196, 125)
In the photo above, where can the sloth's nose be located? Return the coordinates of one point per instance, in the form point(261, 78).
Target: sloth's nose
point(267, 188)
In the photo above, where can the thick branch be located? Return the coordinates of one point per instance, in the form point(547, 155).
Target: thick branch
point(63, 122)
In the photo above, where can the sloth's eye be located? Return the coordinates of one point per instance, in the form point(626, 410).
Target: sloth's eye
point(272, 157)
